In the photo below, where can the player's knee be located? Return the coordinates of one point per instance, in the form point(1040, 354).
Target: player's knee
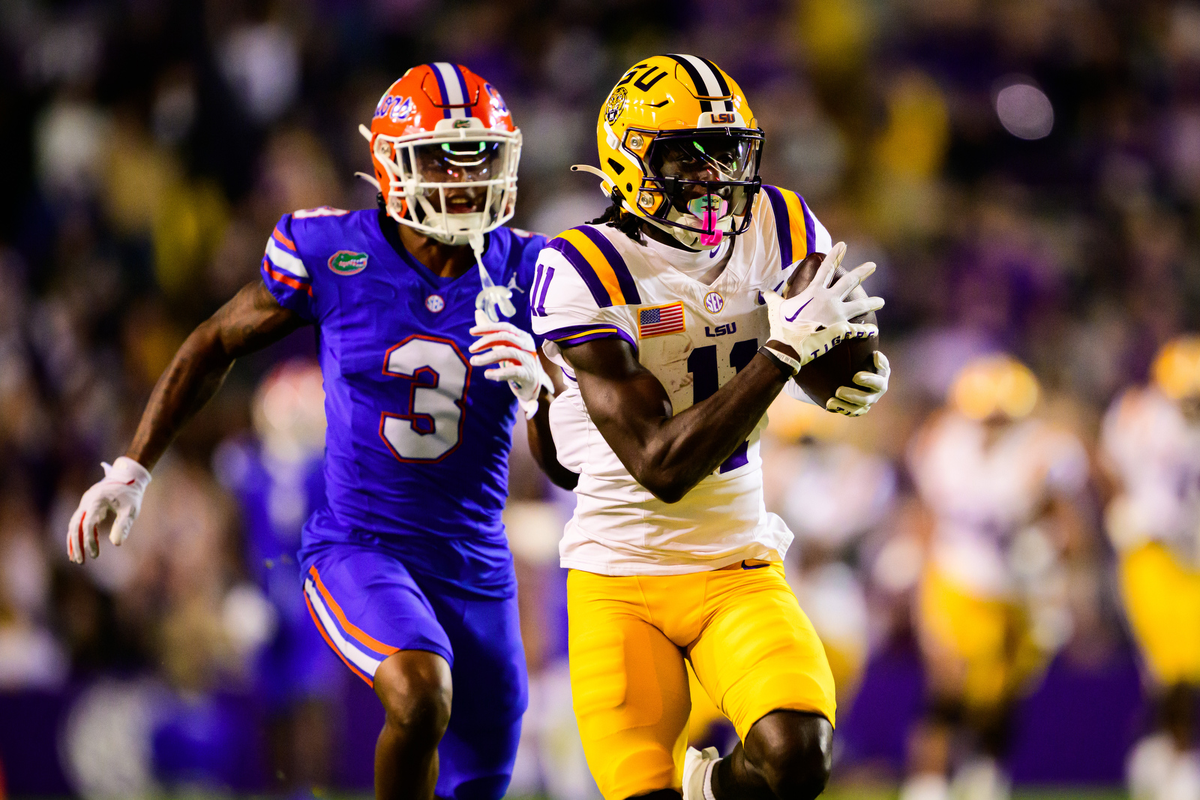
point(414, 687)
point(793, 751)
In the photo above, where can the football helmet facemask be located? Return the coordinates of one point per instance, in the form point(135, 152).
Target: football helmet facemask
point(445, 153)
point(679, 144)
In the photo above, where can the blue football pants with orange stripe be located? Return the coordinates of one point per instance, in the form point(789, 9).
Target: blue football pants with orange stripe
point(368, 605)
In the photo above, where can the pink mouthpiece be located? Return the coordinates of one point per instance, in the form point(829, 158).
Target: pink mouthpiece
point(709, 221)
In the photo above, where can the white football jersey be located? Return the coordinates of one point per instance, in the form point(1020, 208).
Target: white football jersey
point(983, 494)
point(594, 281)
point(1156, 455)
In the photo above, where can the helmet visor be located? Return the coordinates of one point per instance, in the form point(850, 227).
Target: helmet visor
point(706, 176)
point(458, 173)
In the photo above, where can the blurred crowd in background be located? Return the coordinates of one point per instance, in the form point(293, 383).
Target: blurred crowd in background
point(1026, 173)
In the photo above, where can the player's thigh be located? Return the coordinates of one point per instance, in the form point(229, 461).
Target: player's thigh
point(758, 652)
point(490, 695)
point(367, 607)
point(629, 687)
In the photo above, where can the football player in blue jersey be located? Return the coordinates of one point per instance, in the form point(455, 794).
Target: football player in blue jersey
point(276, 475)
point(405, 568)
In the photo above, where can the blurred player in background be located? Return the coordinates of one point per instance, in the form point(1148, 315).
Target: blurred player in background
point(831, 494)
point(665, 318)
point(1002, 488)
point(406, 569)
point(278, 480)
point(1151, 443)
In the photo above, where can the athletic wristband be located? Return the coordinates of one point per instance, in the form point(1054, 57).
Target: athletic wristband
point(787, 365)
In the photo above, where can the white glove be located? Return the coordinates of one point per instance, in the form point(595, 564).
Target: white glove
point(855, 402)
point(513, 350)
point(120, 493)
point(819, 317)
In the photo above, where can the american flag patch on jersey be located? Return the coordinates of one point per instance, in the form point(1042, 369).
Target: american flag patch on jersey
point(660, 320)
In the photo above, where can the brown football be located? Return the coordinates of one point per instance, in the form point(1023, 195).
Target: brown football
point(821, 377)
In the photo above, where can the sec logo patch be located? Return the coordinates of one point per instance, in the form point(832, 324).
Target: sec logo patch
point(435, 303)
point(714, 302)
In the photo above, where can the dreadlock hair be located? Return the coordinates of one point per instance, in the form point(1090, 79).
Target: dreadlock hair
point(617, 217)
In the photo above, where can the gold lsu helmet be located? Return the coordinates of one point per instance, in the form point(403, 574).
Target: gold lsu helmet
point(995, 387)
point(1176, 368)
point(679, 148)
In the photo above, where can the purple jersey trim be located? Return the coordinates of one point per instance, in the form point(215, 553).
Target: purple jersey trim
point(576, 259)
point(783, 230)
point(810, 227)
point(578, 334)
point(624, 279)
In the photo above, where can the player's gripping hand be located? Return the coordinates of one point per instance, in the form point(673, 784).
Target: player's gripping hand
point(513, 352)
point(119, 494)
point(855, 402)
point(819, 316)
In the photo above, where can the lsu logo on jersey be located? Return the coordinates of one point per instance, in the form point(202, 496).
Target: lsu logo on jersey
point(348, 262)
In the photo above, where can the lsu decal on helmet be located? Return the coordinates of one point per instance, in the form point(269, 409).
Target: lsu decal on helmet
point(679, 145)
point(1176, 368)
point(995, 386)
point(445, 152)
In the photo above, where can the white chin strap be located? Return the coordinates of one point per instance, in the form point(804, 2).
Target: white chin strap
point(493, 301)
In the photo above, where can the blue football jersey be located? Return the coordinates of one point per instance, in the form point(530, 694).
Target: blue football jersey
point(417, 440)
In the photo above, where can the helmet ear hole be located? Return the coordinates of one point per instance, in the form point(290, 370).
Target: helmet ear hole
point(629, 187)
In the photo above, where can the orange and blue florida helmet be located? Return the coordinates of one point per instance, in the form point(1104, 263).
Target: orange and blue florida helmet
point(445, 153)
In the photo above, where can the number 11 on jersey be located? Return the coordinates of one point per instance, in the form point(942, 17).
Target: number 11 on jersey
point(702, 363)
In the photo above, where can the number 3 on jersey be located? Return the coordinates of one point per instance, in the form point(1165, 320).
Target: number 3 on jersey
point(437, 376)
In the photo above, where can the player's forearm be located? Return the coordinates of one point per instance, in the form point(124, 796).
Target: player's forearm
point(193, 377)
point(685, 448)
point(541, 446)
point(250, 321)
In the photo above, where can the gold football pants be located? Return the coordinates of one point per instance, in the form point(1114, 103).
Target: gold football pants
point(752, 648)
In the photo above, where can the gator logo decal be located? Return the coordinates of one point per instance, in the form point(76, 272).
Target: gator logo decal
point(348, 262)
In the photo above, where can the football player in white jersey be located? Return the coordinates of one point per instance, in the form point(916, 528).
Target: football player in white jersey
point(1151, 445)
point(665, 317)
point(1002, 487)
point(832, 494)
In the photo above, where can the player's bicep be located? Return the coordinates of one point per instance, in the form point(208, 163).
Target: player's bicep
point(252, 320)
point(624, 399)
